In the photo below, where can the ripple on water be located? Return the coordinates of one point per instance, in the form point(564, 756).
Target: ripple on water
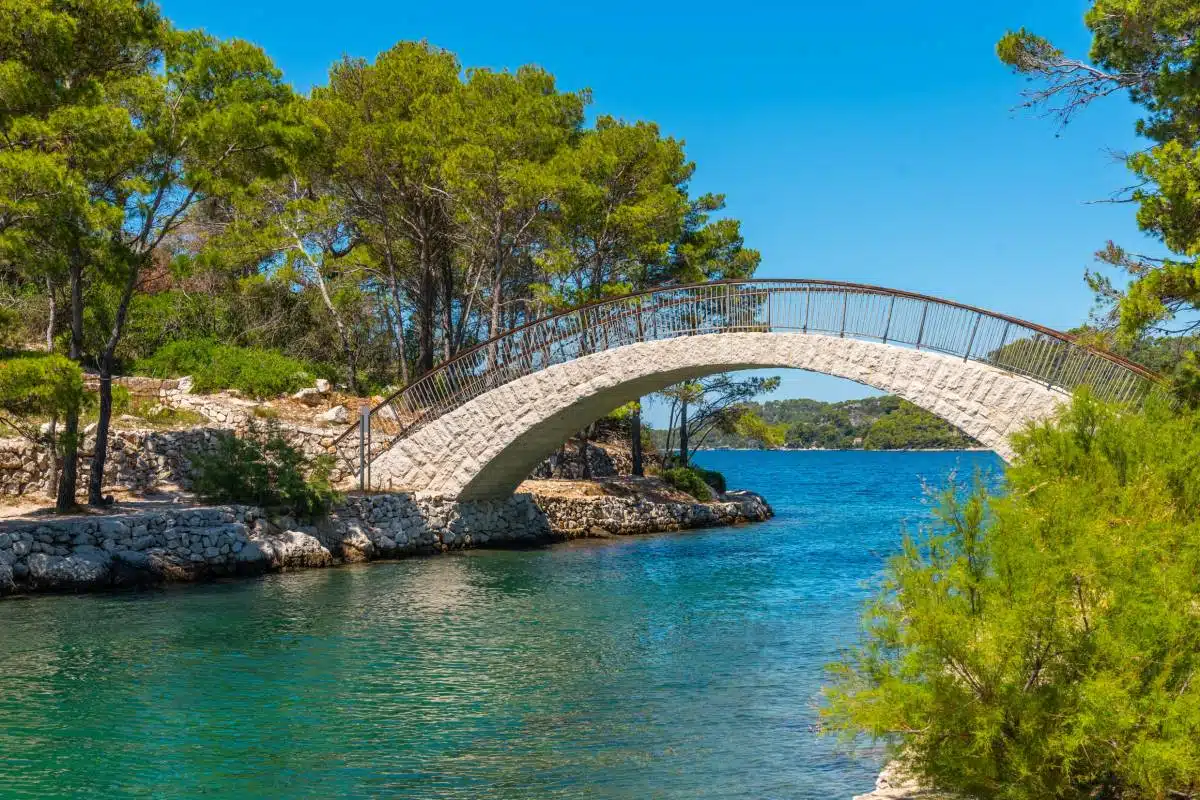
point(673, 666)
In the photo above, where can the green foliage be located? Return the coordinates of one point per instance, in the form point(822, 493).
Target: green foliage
point(912, 428)
point(215, 367)
point(714, 479)
point(1044, 643)
point(1150, 50)
point(689, 480)
point(754, 428)
point(262, 469)
point(40, 387)
point(10, 328)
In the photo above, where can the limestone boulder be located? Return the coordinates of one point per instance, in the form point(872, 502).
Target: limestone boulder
point(894, 784)
point(338, 415)
point(132, 568)
point(309, 397)
point(356, 546)
point(86, 568)
point(288, 550)
point(255, 556)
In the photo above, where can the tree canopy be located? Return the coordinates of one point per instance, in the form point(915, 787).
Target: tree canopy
point(1149, 51)
point(164, 188)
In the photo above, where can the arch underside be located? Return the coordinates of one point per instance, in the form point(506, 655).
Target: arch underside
point(485, 448)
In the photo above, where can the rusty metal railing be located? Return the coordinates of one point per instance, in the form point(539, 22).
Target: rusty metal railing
point(806, 306)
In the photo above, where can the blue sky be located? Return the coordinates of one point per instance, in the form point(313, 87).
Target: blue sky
point(871, 141)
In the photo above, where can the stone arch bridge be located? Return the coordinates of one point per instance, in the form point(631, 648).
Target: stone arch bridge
point(476, 426)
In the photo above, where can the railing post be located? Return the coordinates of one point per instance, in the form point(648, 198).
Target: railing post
point(887, 329)
point(845, 305)
point(364, 426)
point(921, 330)
point(1058, 367)
point(807, 303)
point(1003, 343)
point(971, 341)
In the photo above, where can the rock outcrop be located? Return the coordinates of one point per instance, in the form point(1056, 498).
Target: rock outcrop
point(894, 784)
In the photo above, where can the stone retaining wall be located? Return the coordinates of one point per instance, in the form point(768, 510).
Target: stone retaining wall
point(139, 459)
point(189, 544)
point(198, 543)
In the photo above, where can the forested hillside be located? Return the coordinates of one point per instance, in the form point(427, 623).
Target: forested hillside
point(215, 222)
point(873, 423)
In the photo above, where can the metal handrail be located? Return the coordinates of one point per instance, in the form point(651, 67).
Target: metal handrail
point(852, 310)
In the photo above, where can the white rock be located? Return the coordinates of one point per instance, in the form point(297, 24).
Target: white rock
point(336, 415)
point(310, 397)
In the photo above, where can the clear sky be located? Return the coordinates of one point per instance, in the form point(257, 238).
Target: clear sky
point(869, 141)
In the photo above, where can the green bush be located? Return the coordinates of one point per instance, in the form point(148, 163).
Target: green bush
point(36, 387)
point(689, 480)
point(713, 478)
point(214, 367)
point(262, 469)
point(1045, 643)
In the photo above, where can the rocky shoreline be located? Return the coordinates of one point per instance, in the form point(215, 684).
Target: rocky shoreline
point(894, 784)
point(97, 553)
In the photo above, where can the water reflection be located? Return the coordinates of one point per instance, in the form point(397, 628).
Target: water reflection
point(677, 666)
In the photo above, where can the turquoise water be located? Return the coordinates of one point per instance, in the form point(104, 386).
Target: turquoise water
point(674, 666)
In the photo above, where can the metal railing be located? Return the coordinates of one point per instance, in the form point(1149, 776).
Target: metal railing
point(807, 306)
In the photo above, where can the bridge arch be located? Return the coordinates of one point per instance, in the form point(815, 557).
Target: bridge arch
point(478, 425)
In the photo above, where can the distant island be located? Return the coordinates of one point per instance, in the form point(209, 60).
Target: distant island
point(873, 423)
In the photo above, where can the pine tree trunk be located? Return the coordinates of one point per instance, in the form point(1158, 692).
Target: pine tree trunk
point(426, 313)
point(635, 440)
point(100, 450)
point(107, 357)
point(683, 434)
point(68, 478)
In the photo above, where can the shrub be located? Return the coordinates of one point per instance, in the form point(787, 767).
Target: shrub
point(1045, 643)
point(688, 480)
point(262, 469)
point(713, 478)
point(214, 367)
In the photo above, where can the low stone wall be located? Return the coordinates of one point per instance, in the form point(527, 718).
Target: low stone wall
point(189, 544)
point(198, 543)
point(575, 517)
point(143, 459)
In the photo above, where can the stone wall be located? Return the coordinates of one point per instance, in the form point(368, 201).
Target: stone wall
point(143, 458)
point(140, 459)
point(198, 543)
point(189, 544)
